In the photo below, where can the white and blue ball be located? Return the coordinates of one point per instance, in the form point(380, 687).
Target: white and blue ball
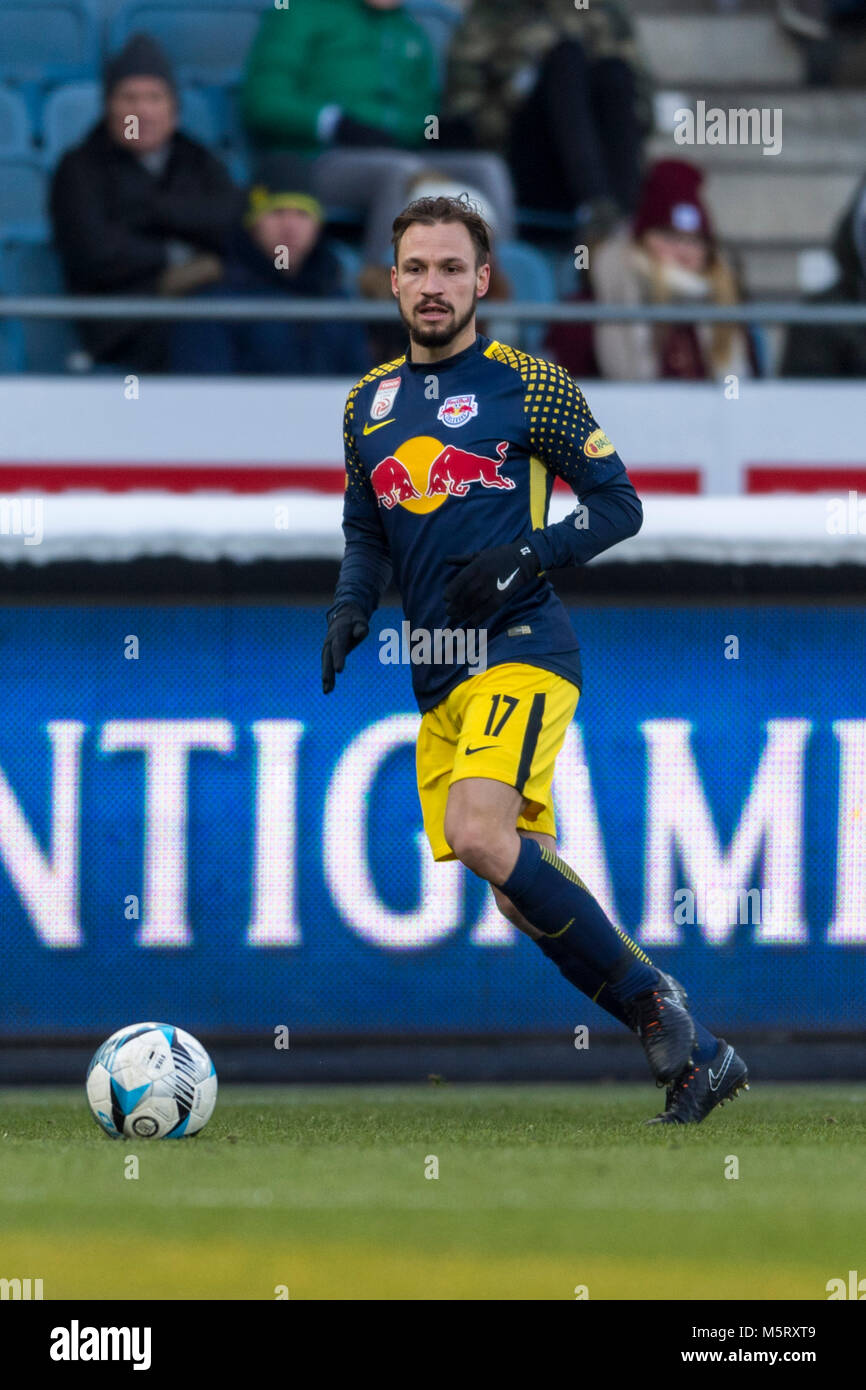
point(151, 1081)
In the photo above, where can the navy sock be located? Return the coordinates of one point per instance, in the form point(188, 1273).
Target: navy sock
point(552, 897)
point(560, 950)
point(706, 1046)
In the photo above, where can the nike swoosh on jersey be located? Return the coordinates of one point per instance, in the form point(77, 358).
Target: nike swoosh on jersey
point(481, 749)
point(503, 584)
point(368, 429)
point(716, 1077)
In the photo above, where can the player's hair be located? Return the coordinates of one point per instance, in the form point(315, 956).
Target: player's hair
point(443, 209)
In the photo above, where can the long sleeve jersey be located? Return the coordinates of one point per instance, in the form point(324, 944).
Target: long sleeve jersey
point(452, 457)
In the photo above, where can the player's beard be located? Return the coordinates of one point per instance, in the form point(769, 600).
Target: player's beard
point(437, 334)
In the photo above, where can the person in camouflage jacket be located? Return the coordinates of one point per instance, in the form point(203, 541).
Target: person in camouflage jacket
point(562, 93)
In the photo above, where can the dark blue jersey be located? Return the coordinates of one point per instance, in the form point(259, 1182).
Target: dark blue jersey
point(451, 457)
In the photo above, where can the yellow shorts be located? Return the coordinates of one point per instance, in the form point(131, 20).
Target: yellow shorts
point(508, 724)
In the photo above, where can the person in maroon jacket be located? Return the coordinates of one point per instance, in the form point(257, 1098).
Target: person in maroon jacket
point(138, 207)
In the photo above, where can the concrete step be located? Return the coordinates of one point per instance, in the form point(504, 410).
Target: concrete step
point(734, 49)
point(772, 272)
point(798, 210)
point(820, 128)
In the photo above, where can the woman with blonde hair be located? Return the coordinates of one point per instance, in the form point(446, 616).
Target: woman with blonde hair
point(668, 255)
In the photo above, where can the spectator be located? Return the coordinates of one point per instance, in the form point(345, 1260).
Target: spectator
point(560, 93)
point(832, 38)
point(836, 349)
point(352, 85)
point(139, 208)
point(279, 250)
point(669, 256)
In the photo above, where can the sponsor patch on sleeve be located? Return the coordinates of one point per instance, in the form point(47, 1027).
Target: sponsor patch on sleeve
point(598, 446)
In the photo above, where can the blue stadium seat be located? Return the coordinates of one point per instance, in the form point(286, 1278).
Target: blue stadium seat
point(23, 192)
point(45, 41)
point(207, 40)
point(16, 131)
point(228, 106)
point(545, 220)
point(29, 266)
point(238, 164)
point(531, 279)
point(11, 347)
point(566, 276)
point(348, 217)
point(439, 19)
point(71, 111)
point(350, 265)
point(68, 114)
point(199, 118)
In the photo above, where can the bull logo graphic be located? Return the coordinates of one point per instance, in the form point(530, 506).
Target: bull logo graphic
point(427, 474)
point(454, 469)
point(392, 483)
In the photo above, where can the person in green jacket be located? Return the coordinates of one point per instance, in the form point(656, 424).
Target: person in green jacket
point(354, 86)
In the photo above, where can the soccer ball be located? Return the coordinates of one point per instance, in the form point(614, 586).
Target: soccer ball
point(151, 1081)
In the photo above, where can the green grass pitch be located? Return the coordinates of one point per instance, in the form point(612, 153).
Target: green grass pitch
point(541, 1190)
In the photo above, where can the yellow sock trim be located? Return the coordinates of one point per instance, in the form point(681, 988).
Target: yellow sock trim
point(568, 872)
point(632, 945)
point(550, 858)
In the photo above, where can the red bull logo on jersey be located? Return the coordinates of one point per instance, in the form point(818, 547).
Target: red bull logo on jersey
point(453, 470)
point(392, 483)
point(456, 410)
point(423, 473)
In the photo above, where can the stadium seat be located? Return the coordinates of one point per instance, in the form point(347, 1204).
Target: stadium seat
point(23, 192)
point(16, 132)
point(199, 118)
point(238, 164)
point(531, 279)
point(29, 266)
point(567, 279)
point(439, 19)
point(350, 264)
point(68, 114)
point(207, 40)
point(11, 347)
point(71, 111)
point(545, 220)
point(45, 41)
point(348, 217)
point(229, 97)
point(233, 146)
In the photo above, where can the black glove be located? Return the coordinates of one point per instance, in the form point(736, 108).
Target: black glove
point(346, 629)
point(351, 132)
point(488, 580)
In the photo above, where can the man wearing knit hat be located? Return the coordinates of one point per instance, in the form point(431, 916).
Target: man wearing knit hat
point(278, 250)
point(138, 208)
